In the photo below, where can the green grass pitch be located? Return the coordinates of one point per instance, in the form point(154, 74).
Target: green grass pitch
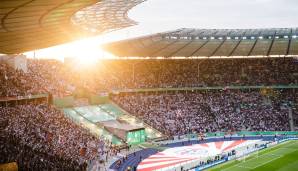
point(282, 157)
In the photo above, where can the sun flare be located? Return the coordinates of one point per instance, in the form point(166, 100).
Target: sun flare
point(86, 51)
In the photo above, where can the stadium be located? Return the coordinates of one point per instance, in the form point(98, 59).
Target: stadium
point(181, 99)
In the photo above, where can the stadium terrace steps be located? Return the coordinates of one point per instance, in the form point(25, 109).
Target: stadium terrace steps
point(111, 109)
point(90, 125)
point(94, 113)
point(89, 116)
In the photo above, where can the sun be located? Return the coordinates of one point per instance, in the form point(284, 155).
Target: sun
point(86, 52)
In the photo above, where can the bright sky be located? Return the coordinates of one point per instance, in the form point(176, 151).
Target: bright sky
point(164, 15)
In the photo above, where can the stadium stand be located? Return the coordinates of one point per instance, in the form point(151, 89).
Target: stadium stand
point(41, 137)
point(63, 80)
point(34, 134)
point(200, 111)
point(210, 111)
point(251, 87)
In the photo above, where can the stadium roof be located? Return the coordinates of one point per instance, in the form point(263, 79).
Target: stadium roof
point(188, 42)
point(34, 24)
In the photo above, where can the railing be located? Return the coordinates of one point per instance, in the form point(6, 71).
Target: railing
point(253, 133)
point(13, 101)
point(194, 136)
point(203, 88)
point(28, 97)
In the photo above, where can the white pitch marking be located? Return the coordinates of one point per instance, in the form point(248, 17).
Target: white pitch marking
point(268, 161)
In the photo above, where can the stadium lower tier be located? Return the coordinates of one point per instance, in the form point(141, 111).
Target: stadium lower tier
point(40, 137)
point(184, 112)
point(198, 155)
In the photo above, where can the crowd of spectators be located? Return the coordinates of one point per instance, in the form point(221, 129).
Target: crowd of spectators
point(16, 82)
point(40, 136)
point(53, 76)
point(208, 111)
point(197, 73)
point(61, 79)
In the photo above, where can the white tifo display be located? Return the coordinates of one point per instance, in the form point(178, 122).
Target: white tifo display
point(190, 156)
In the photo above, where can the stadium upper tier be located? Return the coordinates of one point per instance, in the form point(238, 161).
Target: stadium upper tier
point(210, 43)
point(33, 24)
